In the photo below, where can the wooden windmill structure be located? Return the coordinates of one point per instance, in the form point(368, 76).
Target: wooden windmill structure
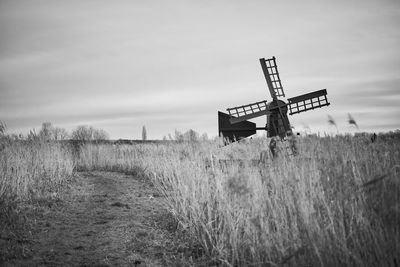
point(235, 125)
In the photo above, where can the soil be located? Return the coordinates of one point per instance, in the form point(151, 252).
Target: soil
point(106, 219)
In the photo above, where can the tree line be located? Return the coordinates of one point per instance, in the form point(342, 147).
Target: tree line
point(82, 132)
point(50, 132)
point(89, 133)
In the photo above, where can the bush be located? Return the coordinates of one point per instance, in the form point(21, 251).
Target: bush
point(89, 133)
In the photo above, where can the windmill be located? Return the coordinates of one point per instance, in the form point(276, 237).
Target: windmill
point(234, 125)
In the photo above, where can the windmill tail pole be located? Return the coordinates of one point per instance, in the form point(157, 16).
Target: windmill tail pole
point(242, 129)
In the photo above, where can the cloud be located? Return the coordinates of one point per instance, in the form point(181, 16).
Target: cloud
point(102, 63)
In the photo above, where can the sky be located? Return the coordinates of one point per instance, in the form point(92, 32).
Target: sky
point(172, 64)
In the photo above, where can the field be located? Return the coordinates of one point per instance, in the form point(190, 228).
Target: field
point(335, 203)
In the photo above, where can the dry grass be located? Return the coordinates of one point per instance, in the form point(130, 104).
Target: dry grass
point(31, 172)
point(335, 204)
point(30, 169)
point(318, 208)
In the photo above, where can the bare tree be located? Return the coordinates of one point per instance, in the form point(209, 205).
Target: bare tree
point(49, 132)
point(46, 133)
point(144, 133)
point(83, 133)
point(191, 136)
point(87, 133)
point(100, 134)
point(179, 136)
point(3, 128)
point(59, 133)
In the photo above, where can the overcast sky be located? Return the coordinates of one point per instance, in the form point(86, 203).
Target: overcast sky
point(119, 65)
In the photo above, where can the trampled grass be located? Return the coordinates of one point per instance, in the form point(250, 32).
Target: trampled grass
point(334, 204)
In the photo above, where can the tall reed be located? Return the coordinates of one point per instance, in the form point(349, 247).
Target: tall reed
point(334, 204)
point(33, 168)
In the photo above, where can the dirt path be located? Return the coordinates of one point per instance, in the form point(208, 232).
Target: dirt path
point(110, 219)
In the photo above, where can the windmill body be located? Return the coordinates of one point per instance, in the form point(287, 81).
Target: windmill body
point(235, 125)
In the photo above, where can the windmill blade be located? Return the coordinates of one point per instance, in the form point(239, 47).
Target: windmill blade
point(308, 101)
point(249, 111)
point(271, 74)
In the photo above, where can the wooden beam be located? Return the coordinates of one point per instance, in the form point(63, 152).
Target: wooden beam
point(249, 116)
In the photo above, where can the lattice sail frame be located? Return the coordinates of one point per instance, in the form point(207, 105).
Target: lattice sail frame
point(271, 74)
point(308, 101)
point(249, 111)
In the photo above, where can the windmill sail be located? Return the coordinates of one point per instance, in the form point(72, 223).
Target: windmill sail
point(249, 111)
point(308, 101)
point(271, 74)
